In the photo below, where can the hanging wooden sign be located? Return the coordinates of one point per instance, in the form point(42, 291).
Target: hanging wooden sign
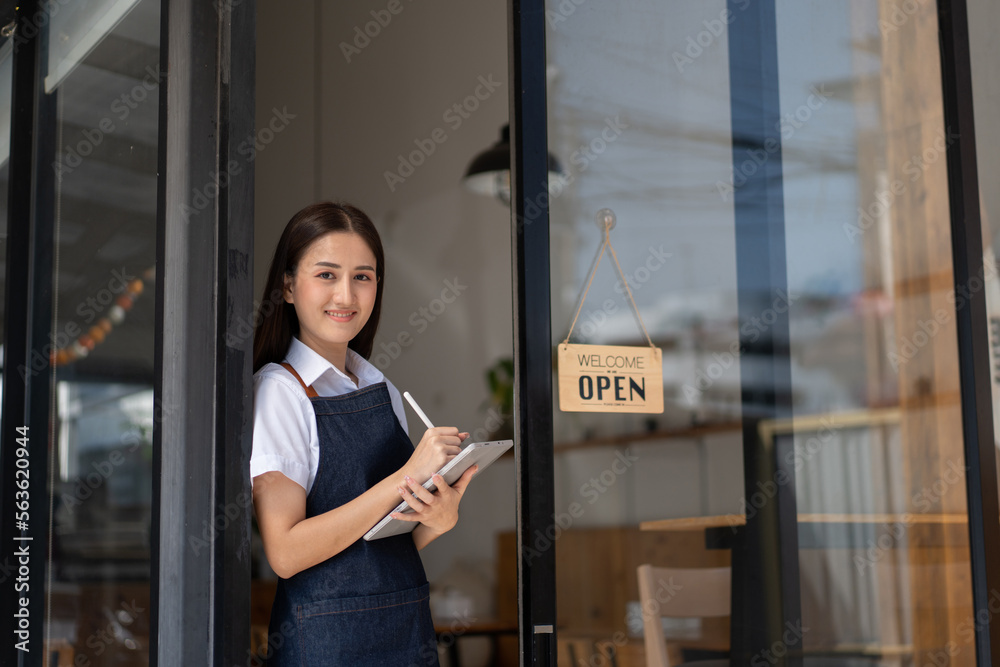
point(610, 378)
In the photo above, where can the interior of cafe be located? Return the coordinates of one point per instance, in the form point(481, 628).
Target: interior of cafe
point(396, 108)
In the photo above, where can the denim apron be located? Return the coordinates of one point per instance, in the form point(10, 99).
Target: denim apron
point(367, 605)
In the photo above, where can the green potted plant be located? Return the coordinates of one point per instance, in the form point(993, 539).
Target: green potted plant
point(500, 406)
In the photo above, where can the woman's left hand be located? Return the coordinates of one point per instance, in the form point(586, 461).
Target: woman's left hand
point(437, 511)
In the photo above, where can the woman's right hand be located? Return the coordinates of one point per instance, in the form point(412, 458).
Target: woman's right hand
point(438, 446)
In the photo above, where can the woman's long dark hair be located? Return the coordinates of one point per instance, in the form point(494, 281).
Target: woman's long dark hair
point(278, 321)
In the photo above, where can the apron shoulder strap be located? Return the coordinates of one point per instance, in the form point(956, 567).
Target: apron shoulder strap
point(310, 392)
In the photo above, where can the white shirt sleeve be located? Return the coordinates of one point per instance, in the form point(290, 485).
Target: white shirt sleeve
point(284, 428)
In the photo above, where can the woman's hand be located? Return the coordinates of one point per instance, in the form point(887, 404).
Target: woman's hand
point(438, 446)
point(437, 512)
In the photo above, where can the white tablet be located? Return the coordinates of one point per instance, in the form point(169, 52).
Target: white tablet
point(477, 453)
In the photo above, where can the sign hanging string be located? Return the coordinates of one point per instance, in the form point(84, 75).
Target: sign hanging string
point(606, 218)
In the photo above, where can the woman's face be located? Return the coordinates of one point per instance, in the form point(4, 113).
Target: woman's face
point(333, 292)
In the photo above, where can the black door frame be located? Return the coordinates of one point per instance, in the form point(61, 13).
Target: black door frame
point(971, 323)
point(534, 461)
point(202, 438)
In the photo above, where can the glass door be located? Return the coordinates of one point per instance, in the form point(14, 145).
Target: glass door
point(99, 108)
point(639, 113)
point(778, 175)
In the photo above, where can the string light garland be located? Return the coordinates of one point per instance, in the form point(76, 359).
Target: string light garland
point(99, 332)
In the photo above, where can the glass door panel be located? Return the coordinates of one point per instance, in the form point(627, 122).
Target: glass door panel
point(878, 433)
point(641, 115)
point(105, 102)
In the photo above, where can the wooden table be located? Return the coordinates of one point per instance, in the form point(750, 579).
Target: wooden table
point(736, 520)
point(832, 531)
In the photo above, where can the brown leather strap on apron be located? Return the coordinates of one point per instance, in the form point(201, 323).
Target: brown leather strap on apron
point(310, 392)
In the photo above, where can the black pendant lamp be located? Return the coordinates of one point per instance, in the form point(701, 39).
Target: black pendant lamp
point(489, 172)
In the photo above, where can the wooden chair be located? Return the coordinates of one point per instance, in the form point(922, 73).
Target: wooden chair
point(679, 593)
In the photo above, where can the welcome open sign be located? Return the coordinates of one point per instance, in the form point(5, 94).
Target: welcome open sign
point(610, 378)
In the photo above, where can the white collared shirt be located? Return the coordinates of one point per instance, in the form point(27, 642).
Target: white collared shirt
point(284, 422)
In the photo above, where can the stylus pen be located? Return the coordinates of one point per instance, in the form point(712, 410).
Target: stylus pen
point(416, 408)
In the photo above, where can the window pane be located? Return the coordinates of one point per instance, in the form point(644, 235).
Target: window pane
point(104, 221)
point(640, 113)
point(641, 122)
point(878, 432)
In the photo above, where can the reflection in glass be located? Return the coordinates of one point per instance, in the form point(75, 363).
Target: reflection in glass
point(878, 434)
point(640, 112)
point(643, 129)
point(104, 222)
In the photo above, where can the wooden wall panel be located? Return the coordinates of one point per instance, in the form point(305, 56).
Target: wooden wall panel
point(924, 320)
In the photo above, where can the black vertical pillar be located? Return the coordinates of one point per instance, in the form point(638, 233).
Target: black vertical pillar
point(532, 330)
point(235, 345)
point(971, 322)
point(24, 447)
point(765, 558)
point(204, 270)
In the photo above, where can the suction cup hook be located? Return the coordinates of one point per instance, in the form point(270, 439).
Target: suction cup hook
point(606, 219)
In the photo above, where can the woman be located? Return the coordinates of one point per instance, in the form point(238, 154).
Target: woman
point(331, 457)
